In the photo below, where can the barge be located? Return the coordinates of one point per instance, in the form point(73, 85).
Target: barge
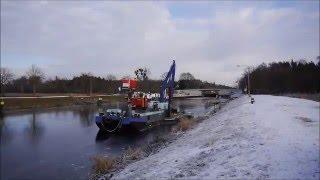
point(143, 110)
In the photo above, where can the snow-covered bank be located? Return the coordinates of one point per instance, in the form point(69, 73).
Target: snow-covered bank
point(277, 137)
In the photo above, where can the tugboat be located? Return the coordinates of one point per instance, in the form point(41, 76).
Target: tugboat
point(143, 110)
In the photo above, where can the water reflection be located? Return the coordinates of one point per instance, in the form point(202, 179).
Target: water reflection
point(6, 135)
point(35, 129)
point(64, 137)
point(86, 114)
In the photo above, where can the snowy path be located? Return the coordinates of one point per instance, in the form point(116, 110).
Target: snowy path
point(277, 137)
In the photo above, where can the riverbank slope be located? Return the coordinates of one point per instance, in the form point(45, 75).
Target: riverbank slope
point(50, 101)
point(276, 137)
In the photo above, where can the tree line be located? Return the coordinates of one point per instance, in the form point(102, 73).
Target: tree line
point(34, 81)
point(283, 77)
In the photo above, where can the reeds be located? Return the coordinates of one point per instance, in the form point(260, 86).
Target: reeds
point(102, 164)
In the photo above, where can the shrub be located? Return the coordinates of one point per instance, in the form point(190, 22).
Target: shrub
point(133, 154)
point(185, 124)
point(102, 164)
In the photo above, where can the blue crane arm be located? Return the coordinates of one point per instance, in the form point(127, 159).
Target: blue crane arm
point(168, 82)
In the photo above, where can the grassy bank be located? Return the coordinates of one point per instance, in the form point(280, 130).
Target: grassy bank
point(21, 103)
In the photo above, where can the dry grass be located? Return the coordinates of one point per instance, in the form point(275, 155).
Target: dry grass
point(174, 129)
point(159, 140)
point(103, 164)
point(185, 124)
point(132, 154)
point(201, 118)
point(212, 142)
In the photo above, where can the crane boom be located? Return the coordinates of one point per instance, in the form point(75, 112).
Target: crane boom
point(168, 82)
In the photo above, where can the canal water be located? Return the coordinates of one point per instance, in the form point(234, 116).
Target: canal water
point(59, 143)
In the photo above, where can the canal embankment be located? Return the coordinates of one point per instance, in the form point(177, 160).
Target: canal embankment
point(276, 138)
point(106, 166)
point(43, 101)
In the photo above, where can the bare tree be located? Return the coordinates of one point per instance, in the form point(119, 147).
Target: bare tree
point(142, 73)
point(21, 83)
point(35, 76)
point(186, 76)
point(6, 77)
point(111, 77)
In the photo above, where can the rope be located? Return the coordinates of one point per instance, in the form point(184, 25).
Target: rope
point(113, 130)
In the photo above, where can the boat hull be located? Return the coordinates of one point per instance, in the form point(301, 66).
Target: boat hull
point(143, 122)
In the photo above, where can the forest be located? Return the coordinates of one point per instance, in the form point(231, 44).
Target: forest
point(35, 81)
point(300, 76)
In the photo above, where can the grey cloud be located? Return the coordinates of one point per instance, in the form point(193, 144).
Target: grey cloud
point(115, 37)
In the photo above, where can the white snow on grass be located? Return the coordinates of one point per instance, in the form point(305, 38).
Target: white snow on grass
point(276, 137)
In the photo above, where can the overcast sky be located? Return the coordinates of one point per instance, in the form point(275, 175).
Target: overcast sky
point(207, 39)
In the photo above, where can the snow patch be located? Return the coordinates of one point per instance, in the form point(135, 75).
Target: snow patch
point(276, 137)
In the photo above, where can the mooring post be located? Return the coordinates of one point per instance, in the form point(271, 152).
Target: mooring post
point(99, 105)
point(1, 106)
point(252, 100)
